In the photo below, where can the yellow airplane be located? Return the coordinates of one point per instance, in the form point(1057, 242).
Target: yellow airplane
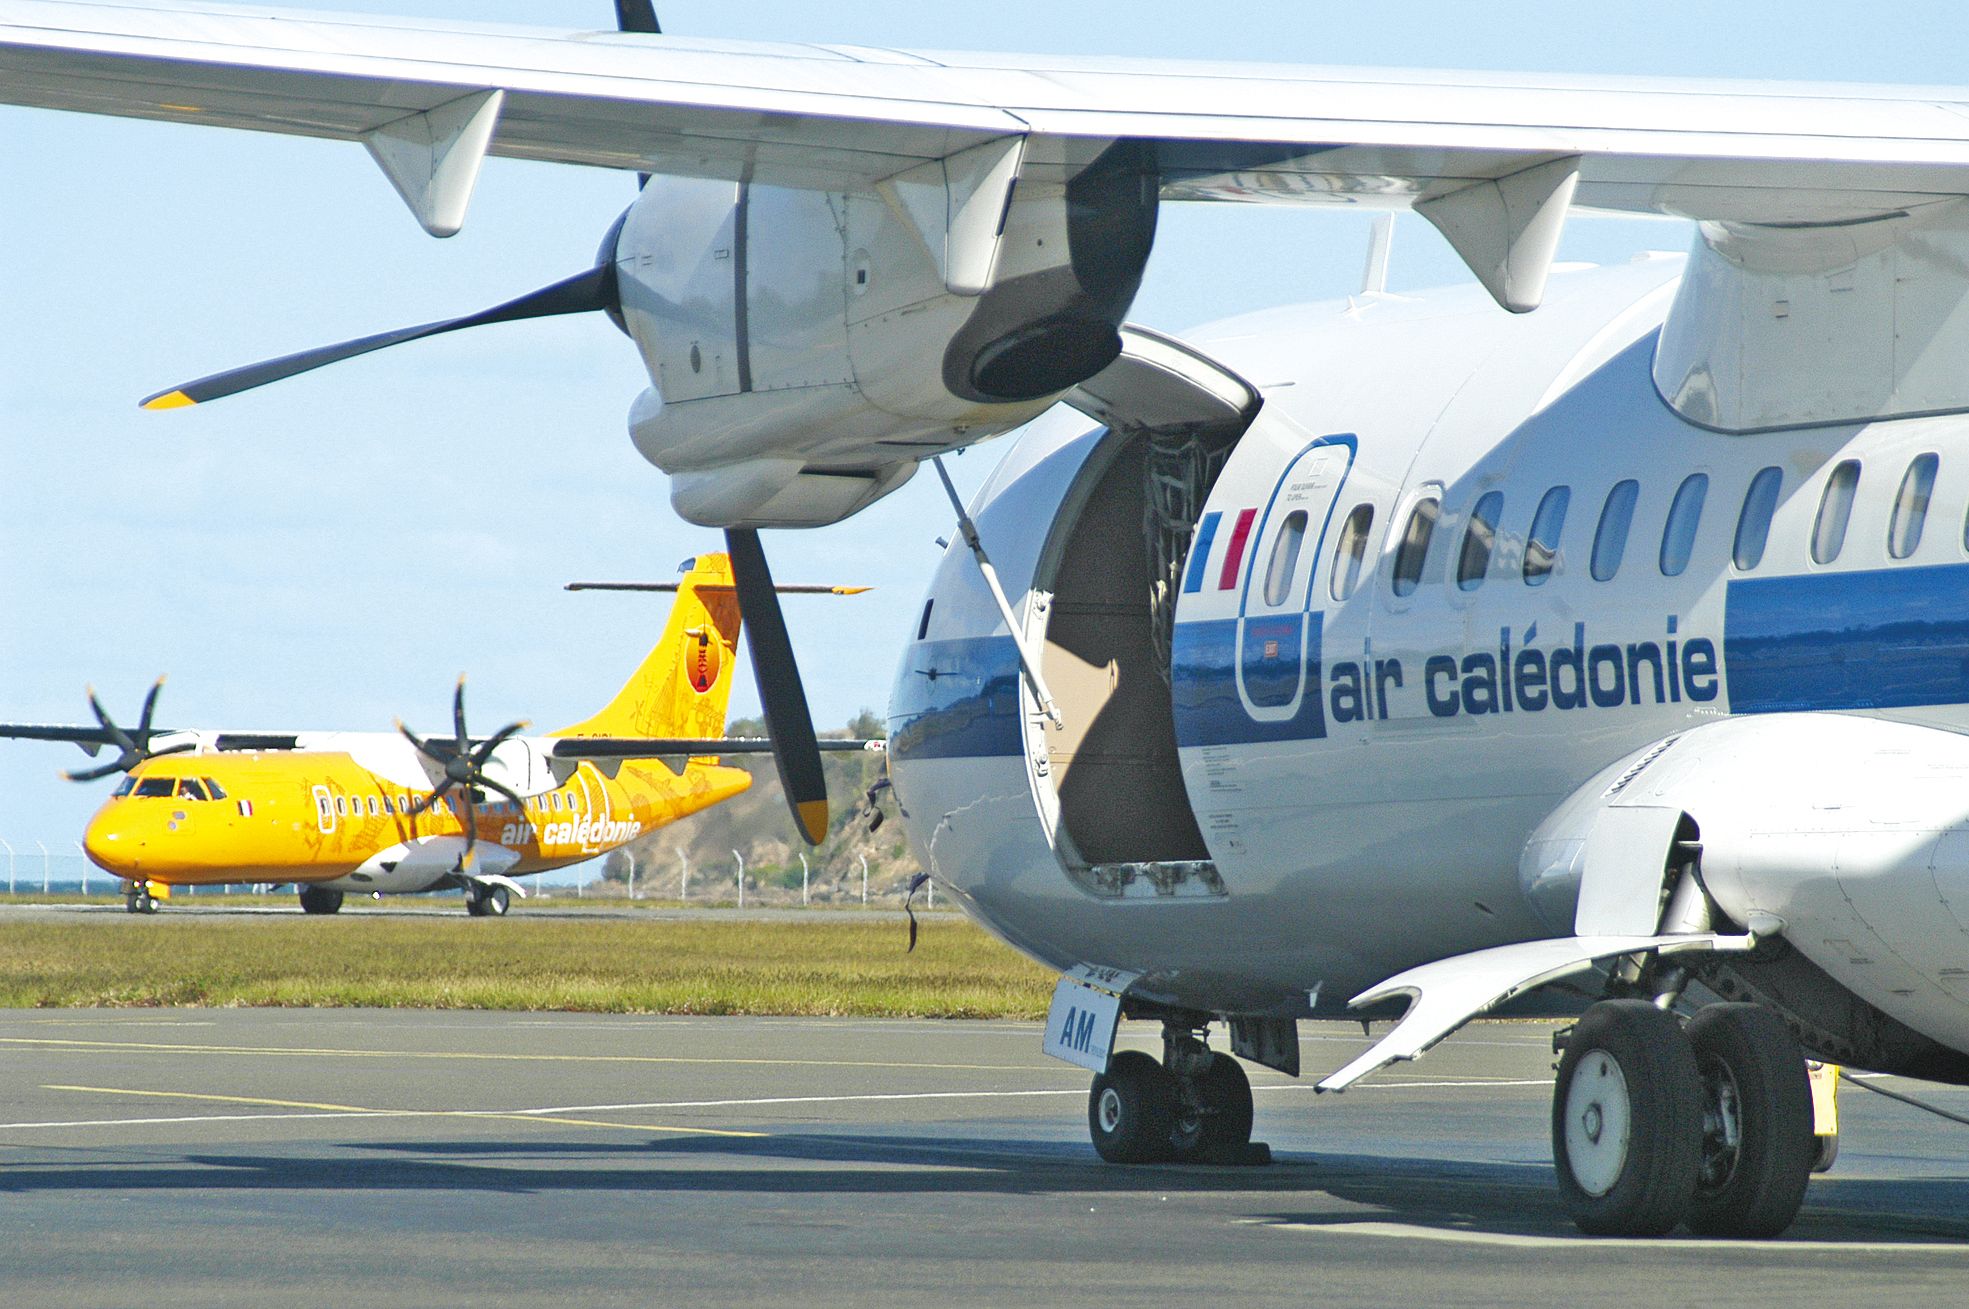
point(393, 812)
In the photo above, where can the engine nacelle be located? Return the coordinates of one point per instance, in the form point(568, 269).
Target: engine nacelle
point(808, 347)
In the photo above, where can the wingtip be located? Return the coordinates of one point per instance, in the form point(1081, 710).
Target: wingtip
point(167, 400)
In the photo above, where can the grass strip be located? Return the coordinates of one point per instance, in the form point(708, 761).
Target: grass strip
point(601, 965)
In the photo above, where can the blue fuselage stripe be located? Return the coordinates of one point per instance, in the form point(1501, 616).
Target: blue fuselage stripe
point(1881, 639)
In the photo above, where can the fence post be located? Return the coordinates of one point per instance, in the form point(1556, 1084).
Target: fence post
point(933, 893)
point(632, 873)
point(10, 867)
point(864, 879)
point(803, 878)
point(683, 883)
point(85, 866)
point(44, 868)
point(741, 878)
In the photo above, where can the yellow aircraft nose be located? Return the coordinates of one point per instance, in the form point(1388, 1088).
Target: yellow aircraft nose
point(108, 845)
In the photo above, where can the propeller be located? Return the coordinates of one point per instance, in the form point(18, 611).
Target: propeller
point(133, 747)
point(593, 290)
point(781, 696)
point(636, 16)
point(464, 768)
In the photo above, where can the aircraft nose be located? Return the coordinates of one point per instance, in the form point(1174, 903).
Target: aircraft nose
point(107, 845)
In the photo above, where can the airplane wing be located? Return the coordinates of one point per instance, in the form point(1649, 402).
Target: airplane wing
point(829, 116)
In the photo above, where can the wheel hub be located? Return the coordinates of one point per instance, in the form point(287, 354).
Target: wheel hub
point(1110, 1109)
point(1722, 1125)
point(1598, 1118)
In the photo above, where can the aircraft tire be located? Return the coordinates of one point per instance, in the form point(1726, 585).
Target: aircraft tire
point(474, 902)
point(1825, 1152)
point(319, 900)
point(495, 902)
point(1627, 1120)
point(1755, 1089)
point(1219, 1128)
point(1131, 1111)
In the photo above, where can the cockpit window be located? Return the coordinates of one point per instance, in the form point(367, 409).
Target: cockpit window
point(151, 788)
point(124, 787)
point(218, 792)
point(189, 788)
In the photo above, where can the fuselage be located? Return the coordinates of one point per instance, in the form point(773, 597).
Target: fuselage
point(347, 811)
point(1390, 657)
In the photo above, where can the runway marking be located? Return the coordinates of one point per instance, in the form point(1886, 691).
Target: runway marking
point(1521, 1241)
point(359, 1111)
point(170, 1047)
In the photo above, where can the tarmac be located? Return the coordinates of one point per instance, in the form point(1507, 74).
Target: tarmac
point(353, 1157)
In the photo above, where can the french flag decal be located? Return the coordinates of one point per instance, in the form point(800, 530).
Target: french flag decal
point(245, 808)
point(1234, 553)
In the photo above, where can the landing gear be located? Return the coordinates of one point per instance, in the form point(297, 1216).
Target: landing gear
point(1131, 1112)
point(320, 900)
point(486, 901)
point(1758, 1150)
point(1654, 1126)
point(1627, 1120)
point(139, 900)
point(1194, 1107)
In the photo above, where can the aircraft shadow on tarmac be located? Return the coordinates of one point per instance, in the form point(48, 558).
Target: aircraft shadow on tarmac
point(1491, 1199)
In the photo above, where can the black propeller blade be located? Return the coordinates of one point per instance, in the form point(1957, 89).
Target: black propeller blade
point(781, 695)
point(636, 16)
point(132, 747)
point(464, 769)
point(583, 293)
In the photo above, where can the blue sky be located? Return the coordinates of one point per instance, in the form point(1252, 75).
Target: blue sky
point(333, 551)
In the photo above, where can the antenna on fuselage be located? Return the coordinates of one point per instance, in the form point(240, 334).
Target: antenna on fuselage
point(1380, 241)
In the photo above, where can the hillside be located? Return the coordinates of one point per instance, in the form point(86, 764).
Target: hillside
point(757, 826)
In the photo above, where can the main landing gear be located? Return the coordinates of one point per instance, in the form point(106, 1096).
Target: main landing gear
point(482, 901)
point(1194, 1107)
point(1655, 1125)
point(320, 900)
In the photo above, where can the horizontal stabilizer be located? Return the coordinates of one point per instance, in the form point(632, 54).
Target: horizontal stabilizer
point(783, 588)
point(1450, 992)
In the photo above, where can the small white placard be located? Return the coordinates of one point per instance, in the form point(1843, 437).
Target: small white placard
point(1108, 979)
point(1080, 1027)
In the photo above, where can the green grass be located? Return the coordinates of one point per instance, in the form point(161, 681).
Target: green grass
point(604, 965)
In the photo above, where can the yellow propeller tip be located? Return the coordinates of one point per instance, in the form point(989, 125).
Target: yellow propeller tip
point(170, 400)
point(813, 819)
point(852, 590)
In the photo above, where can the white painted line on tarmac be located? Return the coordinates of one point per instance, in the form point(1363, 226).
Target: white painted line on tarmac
point(1521, 1241)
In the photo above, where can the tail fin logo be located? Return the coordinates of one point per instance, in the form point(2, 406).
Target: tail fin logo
point(704, 660)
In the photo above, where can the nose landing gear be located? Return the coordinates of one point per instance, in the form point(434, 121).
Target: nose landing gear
point(1194, 1107)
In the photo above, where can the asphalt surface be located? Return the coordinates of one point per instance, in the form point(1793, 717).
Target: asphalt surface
point(351, 1157)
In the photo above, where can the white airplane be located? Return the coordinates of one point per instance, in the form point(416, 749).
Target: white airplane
point(1412, 647)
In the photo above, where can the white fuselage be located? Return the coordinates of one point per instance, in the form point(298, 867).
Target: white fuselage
point(1365, 772)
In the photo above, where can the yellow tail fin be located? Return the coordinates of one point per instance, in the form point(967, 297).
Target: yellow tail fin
point(682, 688)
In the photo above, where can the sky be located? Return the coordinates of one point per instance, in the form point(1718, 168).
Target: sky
point(332, 551)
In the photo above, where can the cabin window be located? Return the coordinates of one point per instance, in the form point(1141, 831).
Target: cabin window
point(1754, 522)
point(342, 805)
point(556, 800)
point(388, 808)
point(1678, 537)
point(1542, 549)
point(1610, 539)
point(1415, 545)
point(1285, 558)
point(1352, 550)
point(374, 809)
point(156, 788)
point(1479, 539)
point(1835, 511)
point(1911, 505)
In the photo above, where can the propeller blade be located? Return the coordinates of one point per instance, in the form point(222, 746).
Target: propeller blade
point(483, 754)
point(519, 802)
point(118, 737)
point(636, 16)
point(430, 801)
point(458, 717)
point(781, 696)
point(423, 746)
point(150, 704)
point(471, 831)
point(582, 293)
point(95, 773)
